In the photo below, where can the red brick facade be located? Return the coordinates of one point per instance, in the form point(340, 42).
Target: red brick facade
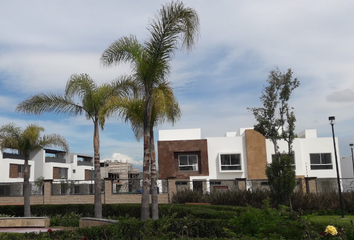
point(168, 158)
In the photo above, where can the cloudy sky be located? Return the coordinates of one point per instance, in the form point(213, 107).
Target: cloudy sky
point(43, 42)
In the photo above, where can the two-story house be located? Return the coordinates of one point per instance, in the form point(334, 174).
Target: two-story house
point(183, 154)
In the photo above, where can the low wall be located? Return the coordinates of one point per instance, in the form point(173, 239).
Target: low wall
point(92, 222)
point(106, 198)
point(8, 222)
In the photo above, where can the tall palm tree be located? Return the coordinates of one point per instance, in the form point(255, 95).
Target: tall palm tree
point(82, 96)
point(26, 141)
point(151, 64)
point(164, 108)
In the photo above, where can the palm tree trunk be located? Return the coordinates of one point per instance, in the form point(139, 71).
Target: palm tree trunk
point(145, 197)
point(154, 196)
point(98, 185)
point(26, 189)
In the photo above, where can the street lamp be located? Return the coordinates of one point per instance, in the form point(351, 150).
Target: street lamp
point(331, 120)
point(351, 145)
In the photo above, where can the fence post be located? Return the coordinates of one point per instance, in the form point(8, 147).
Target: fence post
point(241, 183)
point(311, 186)
point(107, 189)
point(302, 184)
point(47, 191)
point(171, 188)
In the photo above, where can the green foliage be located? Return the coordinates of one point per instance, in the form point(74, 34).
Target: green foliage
point(188, 195)
point(281, 178)
point(267, 222)
point(67, 220)
point(276, 120)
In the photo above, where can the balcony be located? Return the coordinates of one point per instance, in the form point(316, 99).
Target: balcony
point(13, 156)
point(55, 160)
point(84, 161)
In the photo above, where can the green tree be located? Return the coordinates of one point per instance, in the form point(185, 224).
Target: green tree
point(151, 64)
point(82, 96)
point(276, 121)
point(26, 141)
point(164, 108)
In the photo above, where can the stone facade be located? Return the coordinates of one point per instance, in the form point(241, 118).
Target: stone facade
point(256, 154)
point(168, 158)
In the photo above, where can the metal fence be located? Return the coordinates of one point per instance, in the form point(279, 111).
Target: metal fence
point(74, 187)
point(134, 186)
point(15, 189)
point(205, 186)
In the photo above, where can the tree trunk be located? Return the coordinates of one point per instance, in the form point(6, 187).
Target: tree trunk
point(145, 210)
point(154, 195)
point(26, 189)
point(98, 185)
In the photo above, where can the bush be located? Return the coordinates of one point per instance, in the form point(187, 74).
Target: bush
point(67, 220)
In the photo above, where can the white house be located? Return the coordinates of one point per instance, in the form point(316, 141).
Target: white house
point(183, 154)
point(47, 163)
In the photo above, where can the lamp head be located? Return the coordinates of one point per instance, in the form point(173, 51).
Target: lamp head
point(351, 145)
point(331, 120)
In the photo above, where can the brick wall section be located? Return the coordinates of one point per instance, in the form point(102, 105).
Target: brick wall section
point(311, 186)
point(168, 158)
point(13, 170)
point(107, 198)
point(256, 154)
point(241, 184)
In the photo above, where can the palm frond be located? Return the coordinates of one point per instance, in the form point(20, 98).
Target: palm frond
point(125, 49)
point(51, 102)
point(54, 140)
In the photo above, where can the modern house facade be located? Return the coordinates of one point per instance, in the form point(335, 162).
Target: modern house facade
point(46, 163)
point(183, 154)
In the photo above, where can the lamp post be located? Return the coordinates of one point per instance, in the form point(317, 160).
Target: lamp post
point(351, 148)
point(331, 120)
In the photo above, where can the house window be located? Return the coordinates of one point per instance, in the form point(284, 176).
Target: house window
point(320, 161)
point(63, 173)
point(188, 162)
point(230, 162)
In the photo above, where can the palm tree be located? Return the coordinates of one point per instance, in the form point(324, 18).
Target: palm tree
point(26, 141)
point(151, 64)
point(164, 108)
point(79, 88)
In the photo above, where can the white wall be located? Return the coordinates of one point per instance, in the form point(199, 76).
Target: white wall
point(347, 167)
point(217, 145)
point(180, 134)
point(5, 170)
point(302, 148)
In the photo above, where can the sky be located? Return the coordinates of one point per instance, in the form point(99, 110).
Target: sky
point(42, 43)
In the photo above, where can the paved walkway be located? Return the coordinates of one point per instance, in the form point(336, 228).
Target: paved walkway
point(24, 230)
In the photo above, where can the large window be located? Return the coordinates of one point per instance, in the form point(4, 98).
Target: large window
point(321, 161)
point(63, 173)
point(230, 162)
point(188, 162)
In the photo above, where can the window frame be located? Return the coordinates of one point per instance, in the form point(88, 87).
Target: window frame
point(231, 170)
point(195, 167)
point(321, 164)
